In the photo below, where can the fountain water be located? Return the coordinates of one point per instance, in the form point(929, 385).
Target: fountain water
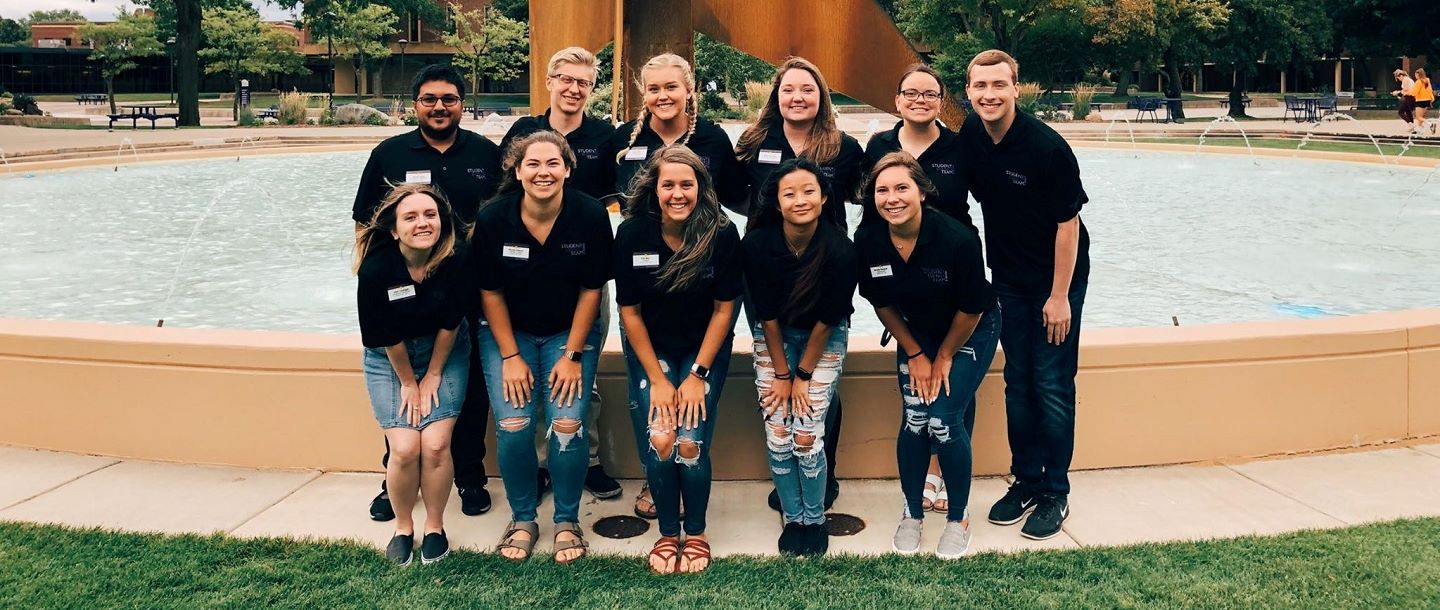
point(1331, 118)
point(4, 160)
point(243, 141)
point(1225, 118)
point(189, 241)
point(1129, 127)
point(121, 149)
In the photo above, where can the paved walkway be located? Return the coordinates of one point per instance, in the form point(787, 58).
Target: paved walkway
point(1109, 507)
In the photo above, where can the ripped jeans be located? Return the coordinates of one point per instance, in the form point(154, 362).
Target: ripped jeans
point(677, 461)
point(796, 445)
point(945, 424)
point(569, 451)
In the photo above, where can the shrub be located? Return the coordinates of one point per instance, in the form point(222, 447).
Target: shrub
point(247, 118)
point(410, 118)
point(1028, 98)
point(327, 117)
point(292, 107)
point(26, 104)
point(1083, 94)
point(397, 112)
point(379, 120)
point(599, 104)
point(756, 95)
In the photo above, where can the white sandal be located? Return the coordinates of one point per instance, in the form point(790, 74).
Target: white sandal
point(934, 486)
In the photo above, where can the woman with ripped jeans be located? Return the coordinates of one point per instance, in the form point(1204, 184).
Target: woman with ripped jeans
point(800, 274)
point(925, 275)
point(541, 251)
point(677, 277)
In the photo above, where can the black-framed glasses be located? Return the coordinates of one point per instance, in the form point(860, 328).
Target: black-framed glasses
point(567, 80)
point(429, 101)
point(915, 94)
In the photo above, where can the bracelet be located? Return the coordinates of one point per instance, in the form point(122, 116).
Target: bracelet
point(803, 374)
point(510, 356)
point(786, 377)
point(915, 355)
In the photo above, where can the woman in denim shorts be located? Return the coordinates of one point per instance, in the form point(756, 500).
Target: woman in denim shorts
point(417, 353)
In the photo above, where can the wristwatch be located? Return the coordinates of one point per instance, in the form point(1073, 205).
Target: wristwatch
point(573, 356)
point(699, 371)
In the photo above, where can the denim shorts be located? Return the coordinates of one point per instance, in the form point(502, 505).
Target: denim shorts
point(384, 385)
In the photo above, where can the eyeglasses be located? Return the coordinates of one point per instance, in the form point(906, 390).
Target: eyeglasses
point(915, 94)
point(429, 101)
point(567, 80)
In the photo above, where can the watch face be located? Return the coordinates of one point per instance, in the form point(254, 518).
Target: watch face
point(573, 356)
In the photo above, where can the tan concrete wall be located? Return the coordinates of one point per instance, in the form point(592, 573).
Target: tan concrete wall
point(1146, 396)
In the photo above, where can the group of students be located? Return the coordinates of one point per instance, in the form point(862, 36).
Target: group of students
point(1416, 97)
point(483, 284)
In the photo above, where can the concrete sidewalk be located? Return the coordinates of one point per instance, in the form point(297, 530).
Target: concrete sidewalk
point(1109, 507)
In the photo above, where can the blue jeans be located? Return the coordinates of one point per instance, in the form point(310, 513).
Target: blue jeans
point(1039, 389)
point(944, 425)
point(383, 384)
point(674, 476)
point(796, 444)
point(568, 452)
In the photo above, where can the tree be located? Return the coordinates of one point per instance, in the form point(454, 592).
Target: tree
point(237, 42)
point(64, 15)
point(13, 33)
point(518, 10)
point(488, 43)
point(958, 29)
point(1151, 32)
point(1278, 31)
point(722, 63)
point(187, 64)
point(1386, 28)
point(117, 45)
point(361, 31)
point(165, 13)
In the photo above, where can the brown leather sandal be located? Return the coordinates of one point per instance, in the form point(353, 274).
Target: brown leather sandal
point(696, 549)
point(666, 549)
point(509, 541)
point(578, 542)
point(648, 498)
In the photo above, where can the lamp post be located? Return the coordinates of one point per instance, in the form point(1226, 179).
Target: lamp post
point(170, 51)
point(330, 58)
point(403, 42)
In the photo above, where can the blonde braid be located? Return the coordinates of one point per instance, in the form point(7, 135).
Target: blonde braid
point(634, 133)
point(690, 109)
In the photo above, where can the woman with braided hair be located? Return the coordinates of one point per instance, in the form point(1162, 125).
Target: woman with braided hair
point(670, 115)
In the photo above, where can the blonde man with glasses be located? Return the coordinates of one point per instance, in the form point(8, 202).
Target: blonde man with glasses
point(466, 168)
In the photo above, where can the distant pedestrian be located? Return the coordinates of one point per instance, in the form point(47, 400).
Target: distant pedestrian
point(1424, 98)
point(1406, 93)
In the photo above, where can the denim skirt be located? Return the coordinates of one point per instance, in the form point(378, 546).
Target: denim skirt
point(384, 385)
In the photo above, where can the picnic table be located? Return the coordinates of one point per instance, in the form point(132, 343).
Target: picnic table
point(91, 98)
point(149, 112)
point(479, 109)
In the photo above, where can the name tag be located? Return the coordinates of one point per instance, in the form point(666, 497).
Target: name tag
point(645, 259)
point(516, 252)
point(637, 153)
point(769, 157)
point(418, 177)
point(881, 271)
point(401, 293)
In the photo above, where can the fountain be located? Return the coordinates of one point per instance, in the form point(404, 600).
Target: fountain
point(243, 141)
point(1331, 118)
point(1129, 127)
point(4, 160)
point(121, 149)
point(1225, 118)
point(185, 251)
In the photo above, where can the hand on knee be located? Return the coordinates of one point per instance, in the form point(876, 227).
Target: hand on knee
point(663, 442)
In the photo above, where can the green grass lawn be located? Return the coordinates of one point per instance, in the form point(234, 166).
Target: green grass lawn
point(1389, 565)
point(1427, 152)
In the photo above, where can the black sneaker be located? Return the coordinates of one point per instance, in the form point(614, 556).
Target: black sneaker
point(1050, 513)
point(434, 547)
point(401, 548)
point(542, 484)
point(380, 509)
point(474, 500)
point(602, 485)
point(1020, 499)
point(775, 500)
point(817, 540)
point(832, 491)
point(792, 539)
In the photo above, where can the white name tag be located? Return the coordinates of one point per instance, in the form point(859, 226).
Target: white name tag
point(637, 153)
point(514, 251)
point(770, 157)
point(645, 259)
point(881, 271)
point(402, 292)
point(418, 177)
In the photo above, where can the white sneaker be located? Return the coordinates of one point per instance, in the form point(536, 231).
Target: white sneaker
point(907, 537)
point(954, 541)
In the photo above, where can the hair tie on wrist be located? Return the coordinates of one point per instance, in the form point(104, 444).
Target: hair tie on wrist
point(915, 355)
point(510, 356)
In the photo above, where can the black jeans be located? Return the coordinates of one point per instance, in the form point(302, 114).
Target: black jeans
point(1039, 389)
point(467, 442)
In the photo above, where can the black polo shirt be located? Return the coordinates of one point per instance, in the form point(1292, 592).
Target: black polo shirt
point(944, 165)
point(709, 142)
point(945, 274)
point(842, 175)
point(468, 172)
point(594, 172)
point(542, 282)
point(772, 270)
point(1026, 185)
point(676, 321)
point(393, 307)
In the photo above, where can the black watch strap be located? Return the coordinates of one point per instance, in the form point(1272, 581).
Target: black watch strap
point(573, 356)
point(699, 371)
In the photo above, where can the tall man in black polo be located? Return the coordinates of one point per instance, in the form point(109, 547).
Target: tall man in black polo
point(466, 166)
point(1028, 184)
point(570, 79)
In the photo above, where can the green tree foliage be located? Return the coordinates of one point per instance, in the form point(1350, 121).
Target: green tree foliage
point(489, 45)
point(728, 67)
point(238, 43)
point(64, 15)
point(1151, 32)
point(117, 45)
point(1279, 31)
point(958, 29)
point(518, 10)
point(1386, 28)
point(13, 33)
point(361, 32)
point(165, 13)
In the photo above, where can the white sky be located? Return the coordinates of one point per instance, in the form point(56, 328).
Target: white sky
point(104, 10)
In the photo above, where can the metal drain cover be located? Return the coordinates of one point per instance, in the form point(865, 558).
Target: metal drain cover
point(621, 527)
point(841, 524)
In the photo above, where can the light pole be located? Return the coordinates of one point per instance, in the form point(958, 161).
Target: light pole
point(403, 42)
point(170, 49)
point(330, 58)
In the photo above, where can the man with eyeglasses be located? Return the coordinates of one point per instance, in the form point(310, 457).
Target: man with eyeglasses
point(570, 79)
point(466, 167)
